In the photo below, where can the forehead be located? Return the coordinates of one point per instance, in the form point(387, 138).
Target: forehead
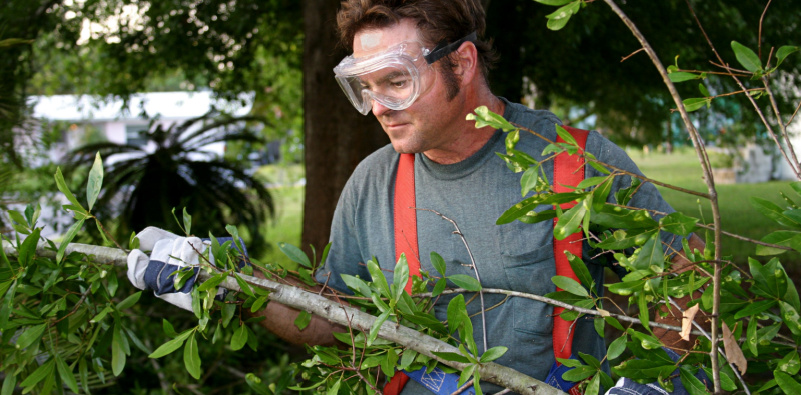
point(374, 40)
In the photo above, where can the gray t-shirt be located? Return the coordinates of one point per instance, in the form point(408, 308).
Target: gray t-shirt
point(474, 193)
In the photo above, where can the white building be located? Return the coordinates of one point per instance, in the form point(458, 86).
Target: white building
point(123, 125)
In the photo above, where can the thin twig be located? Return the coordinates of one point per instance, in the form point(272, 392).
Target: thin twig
point(462, 388)
point(475, 269)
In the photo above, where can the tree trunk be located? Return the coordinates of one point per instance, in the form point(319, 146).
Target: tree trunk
point(337, 136)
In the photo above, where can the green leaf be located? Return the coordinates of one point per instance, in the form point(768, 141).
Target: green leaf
point(356, 284)
point(374, 329)
point(378, 277)
point(400, 277)
point(171, 345)
point(466, 282)
point(493, 354)
point(681, 76)
point(554, 2)
point(484, 117)
point(438, 262)
point(791, 317)
point(244, 286)
point(303, 320)
point(451, 356)
point(774, 212)
point(617, 347)
point(529, 180)
point(751, 339)
point(439, 287)
point(43, 371)
point(790, 364)
point(239, 338)
point(580, 269)
point(570, 221)
point(212, 282)
point(747, 58)
point(117, 352)
point(295, 254)
point(570, 285)
point(9, 384)
point(695, 103)
point(192, 357)
point(691, 383)
point(558, 19)
point(678, 223)
point(787, 238)
point(95, 181)
point(754, 308)
point(579, 373)
point(651, 254)
point(73, 230)
point(783, 52)
point(129, 301)
point(62, 186)
point(31, 335)
point(787, 383)
point(457, 312)
point(187, 220)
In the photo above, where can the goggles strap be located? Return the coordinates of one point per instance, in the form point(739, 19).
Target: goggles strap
point(444, 49)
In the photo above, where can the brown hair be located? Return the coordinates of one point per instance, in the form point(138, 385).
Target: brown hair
point(437, 20)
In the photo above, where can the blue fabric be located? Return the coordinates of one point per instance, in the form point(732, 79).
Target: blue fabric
point(439, 382)
point(555, 379)
point(159, 278)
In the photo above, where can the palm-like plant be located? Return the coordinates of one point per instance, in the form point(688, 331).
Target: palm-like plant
point(142, 188)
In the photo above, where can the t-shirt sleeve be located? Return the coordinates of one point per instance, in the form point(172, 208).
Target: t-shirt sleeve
point(344, 255)
point(646, 196)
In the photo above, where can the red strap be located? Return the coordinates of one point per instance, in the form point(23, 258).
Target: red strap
point(396, 383)
point(568, 170)
point(405, 217)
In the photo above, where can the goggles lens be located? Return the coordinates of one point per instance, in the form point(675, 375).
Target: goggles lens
point(393, 77)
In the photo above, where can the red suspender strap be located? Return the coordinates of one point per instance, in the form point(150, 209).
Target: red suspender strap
point(405, 217)
point(568, 170)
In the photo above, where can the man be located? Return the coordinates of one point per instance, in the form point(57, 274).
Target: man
point(421, 67)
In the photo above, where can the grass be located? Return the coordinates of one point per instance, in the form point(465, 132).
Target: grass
point(288, 220)
point(738, 216)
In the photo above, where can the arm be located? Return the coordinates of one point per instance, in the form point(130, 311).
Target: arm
point(672, 339)
point(281, 321)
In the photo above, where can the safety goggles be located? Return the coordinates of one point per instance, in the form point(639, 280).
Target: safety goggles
point(395, 77)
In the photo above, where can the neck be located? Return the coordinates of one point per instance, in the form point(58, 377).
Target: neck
point(470, 139)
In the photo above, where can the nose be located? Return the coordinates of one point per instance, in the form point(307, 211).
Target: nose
point(379, 109)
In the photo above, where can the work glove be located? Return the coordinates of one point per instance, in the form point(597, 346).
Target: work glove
point(169, 253)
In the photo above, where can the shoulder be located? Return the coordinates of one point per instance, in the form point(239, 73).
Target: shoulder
point(540, 121)
point(377, 166)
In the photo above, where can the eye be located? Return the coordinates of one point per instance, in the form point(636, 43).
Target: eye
point(399, 83)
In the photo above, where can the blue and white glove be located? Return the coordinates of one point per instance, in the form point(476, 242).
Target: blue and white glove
point(169, 253)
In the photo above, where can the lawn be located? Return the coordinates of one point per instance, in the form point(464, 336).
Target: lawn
point(680, 168)
point(737, 214)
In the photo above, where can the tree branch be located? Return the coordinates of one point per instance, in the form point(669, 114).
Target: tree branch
point(335, 312)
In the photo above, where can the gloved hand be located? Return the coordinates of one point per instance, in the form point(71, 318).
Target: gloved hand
point(169, 253)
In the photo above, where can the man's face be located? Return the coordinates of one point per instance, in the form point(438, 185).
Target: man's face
point(428, 123)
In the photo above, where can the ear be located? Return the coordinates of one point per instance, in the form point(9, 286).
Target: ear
point(467, 67)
